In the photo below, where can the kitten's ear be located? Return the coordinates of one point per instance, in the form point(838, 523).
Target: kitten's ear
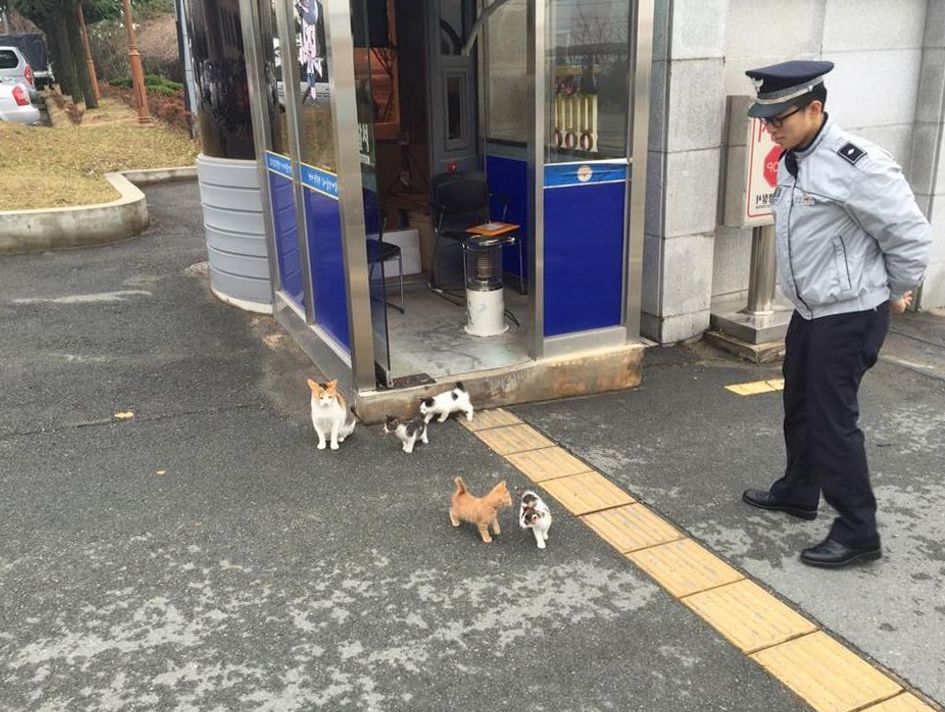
point(332, 385)
point(313, 386)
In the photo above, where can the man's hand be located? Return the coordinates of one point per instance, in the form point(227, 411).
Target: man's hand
point(898, 306)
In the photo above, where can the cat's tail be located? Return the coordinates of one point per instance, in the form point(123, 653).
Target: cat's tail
point(460, 485)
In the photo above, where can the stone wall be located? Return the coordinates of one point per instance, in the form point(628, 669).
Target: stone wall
point(886, 87)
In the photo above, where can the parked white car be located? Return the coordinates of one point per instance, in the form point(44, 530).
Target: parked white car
point(13, 65)
point(15, 104)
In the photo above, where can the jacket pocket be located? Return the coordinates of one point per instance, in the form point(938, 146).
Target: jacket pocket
point(842, 260)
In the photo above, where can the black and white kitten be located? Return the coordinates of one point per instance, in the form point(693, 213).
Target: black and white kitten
point(452, 401)
point(408, 431)
point(534, 514)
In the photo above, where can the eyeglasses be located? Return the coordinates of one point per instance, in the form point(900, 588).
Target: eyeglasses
point(777, 121)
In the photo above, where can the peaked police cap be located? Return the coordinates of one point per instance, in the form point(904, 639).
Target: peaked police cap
point(781, 86)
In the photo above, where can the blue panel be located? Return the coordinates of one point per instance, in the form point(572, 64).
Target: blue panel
point(584, 235)
point(558, 175)
point(323, 219)
point(509, 177)
point(286, 235)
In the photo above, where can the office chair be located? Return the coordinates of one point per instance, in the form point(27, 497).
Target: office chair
point(380, 252)
point(459, 201)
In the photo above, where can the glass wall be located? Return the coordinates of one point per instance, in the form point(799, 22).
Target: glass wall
point(587, 82)
point(279, 167)
point(506, 75)
point(507, 118)
point(370, 24)
point(318, 171)
point(223, 112)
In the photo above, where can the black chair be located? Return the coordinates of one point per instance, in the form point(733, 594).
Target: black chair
point(380, 252)
point(459, 201)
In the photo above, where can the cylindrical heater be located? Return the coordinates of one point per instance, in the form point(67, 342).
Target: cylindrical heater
point(485, 297)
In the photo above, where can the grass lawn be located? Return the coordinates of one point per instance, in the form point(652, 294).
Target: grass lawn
point(64, 165)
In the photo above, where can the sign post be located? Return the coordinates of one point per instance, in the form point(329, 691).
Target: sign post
point(762, 173)
point(751, 330)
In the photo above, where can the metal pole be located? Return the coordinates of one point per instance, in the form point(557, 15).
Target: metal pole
point(88, 53)
point(137, 75)
point(762, 276)
point(535, 68)
point(641, 62)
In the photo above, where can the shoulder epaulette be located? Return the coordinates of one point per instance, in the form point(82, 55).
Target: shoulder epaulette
point(851, 152)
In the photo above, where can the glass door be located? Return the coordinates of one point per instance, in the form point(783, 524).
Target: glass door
point(369, 20)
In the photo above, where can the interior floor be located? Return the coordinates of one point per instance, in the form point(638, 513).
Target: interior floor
point(429, 337)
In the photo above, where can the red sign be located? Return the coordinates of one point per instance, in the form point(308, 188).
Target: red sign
point(762, 174)
point(771, 166)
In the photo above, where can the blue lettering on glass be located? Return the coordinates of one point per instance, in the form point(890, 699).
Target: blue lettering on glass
point(279, 164)
point(320, 180)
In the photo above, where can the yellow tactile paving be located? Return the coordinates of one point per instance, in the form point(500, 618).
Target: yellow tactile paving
point(748, 616)
point(901, 703)
point(776, 383)
point(547, 463)
point(754, 388)
point(484, 419)
point(631, 527)
point(683, 567)
point(826, 675)
point(586, 492)
point(513, 438)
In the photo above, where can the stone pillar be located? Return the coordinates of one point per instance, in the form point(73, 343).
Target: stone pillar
point(686, 117)
point(927, 173)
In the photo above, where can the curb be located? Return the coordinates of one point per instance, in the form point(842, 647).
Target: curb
point(87, 225)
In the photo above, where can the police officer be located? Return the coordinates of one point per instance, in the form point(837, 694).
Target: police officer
point(851, 246)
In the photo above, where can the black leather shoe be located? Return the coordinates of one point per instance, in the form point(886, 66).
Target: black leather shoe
point(763, 499)
point(832, 554)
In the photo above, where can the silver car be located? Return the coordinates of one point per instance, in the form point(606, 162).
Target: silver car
point(15, 104)
point(13, 65)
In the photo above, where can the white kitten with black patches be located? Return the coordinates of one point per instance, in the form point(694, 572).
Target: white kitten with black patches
point(408, 431)
point(440, 406)
point(534, 514)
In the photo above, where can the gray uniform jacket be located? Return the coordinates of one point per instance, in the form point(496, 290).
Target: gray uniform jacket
point(849, 232)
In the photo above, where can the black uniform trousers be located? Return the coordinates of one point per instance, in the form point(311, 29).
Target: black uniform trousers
point(824, 361)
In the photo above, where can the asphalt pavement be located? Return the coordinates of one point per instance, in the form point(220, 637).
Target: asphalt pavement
point(201, 554)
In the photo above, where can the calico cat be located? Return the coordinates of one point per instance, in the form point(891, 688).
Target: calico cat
point(408, 431)
point(534, 514)
point(330, 414)
point(451, 401)
point(481, 511)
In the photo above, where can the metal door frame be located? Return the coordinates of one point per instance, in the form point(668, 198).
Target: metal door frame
point(344, 110)
point(641, 60)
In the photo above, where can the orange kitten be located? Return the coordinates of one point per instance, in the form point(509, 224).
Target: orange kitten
point(481, 511)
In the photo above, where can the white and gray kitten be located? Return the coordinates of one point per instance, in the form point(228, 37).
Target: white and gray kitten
point(534, 514)
point(452, 401)
point(408, 431)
